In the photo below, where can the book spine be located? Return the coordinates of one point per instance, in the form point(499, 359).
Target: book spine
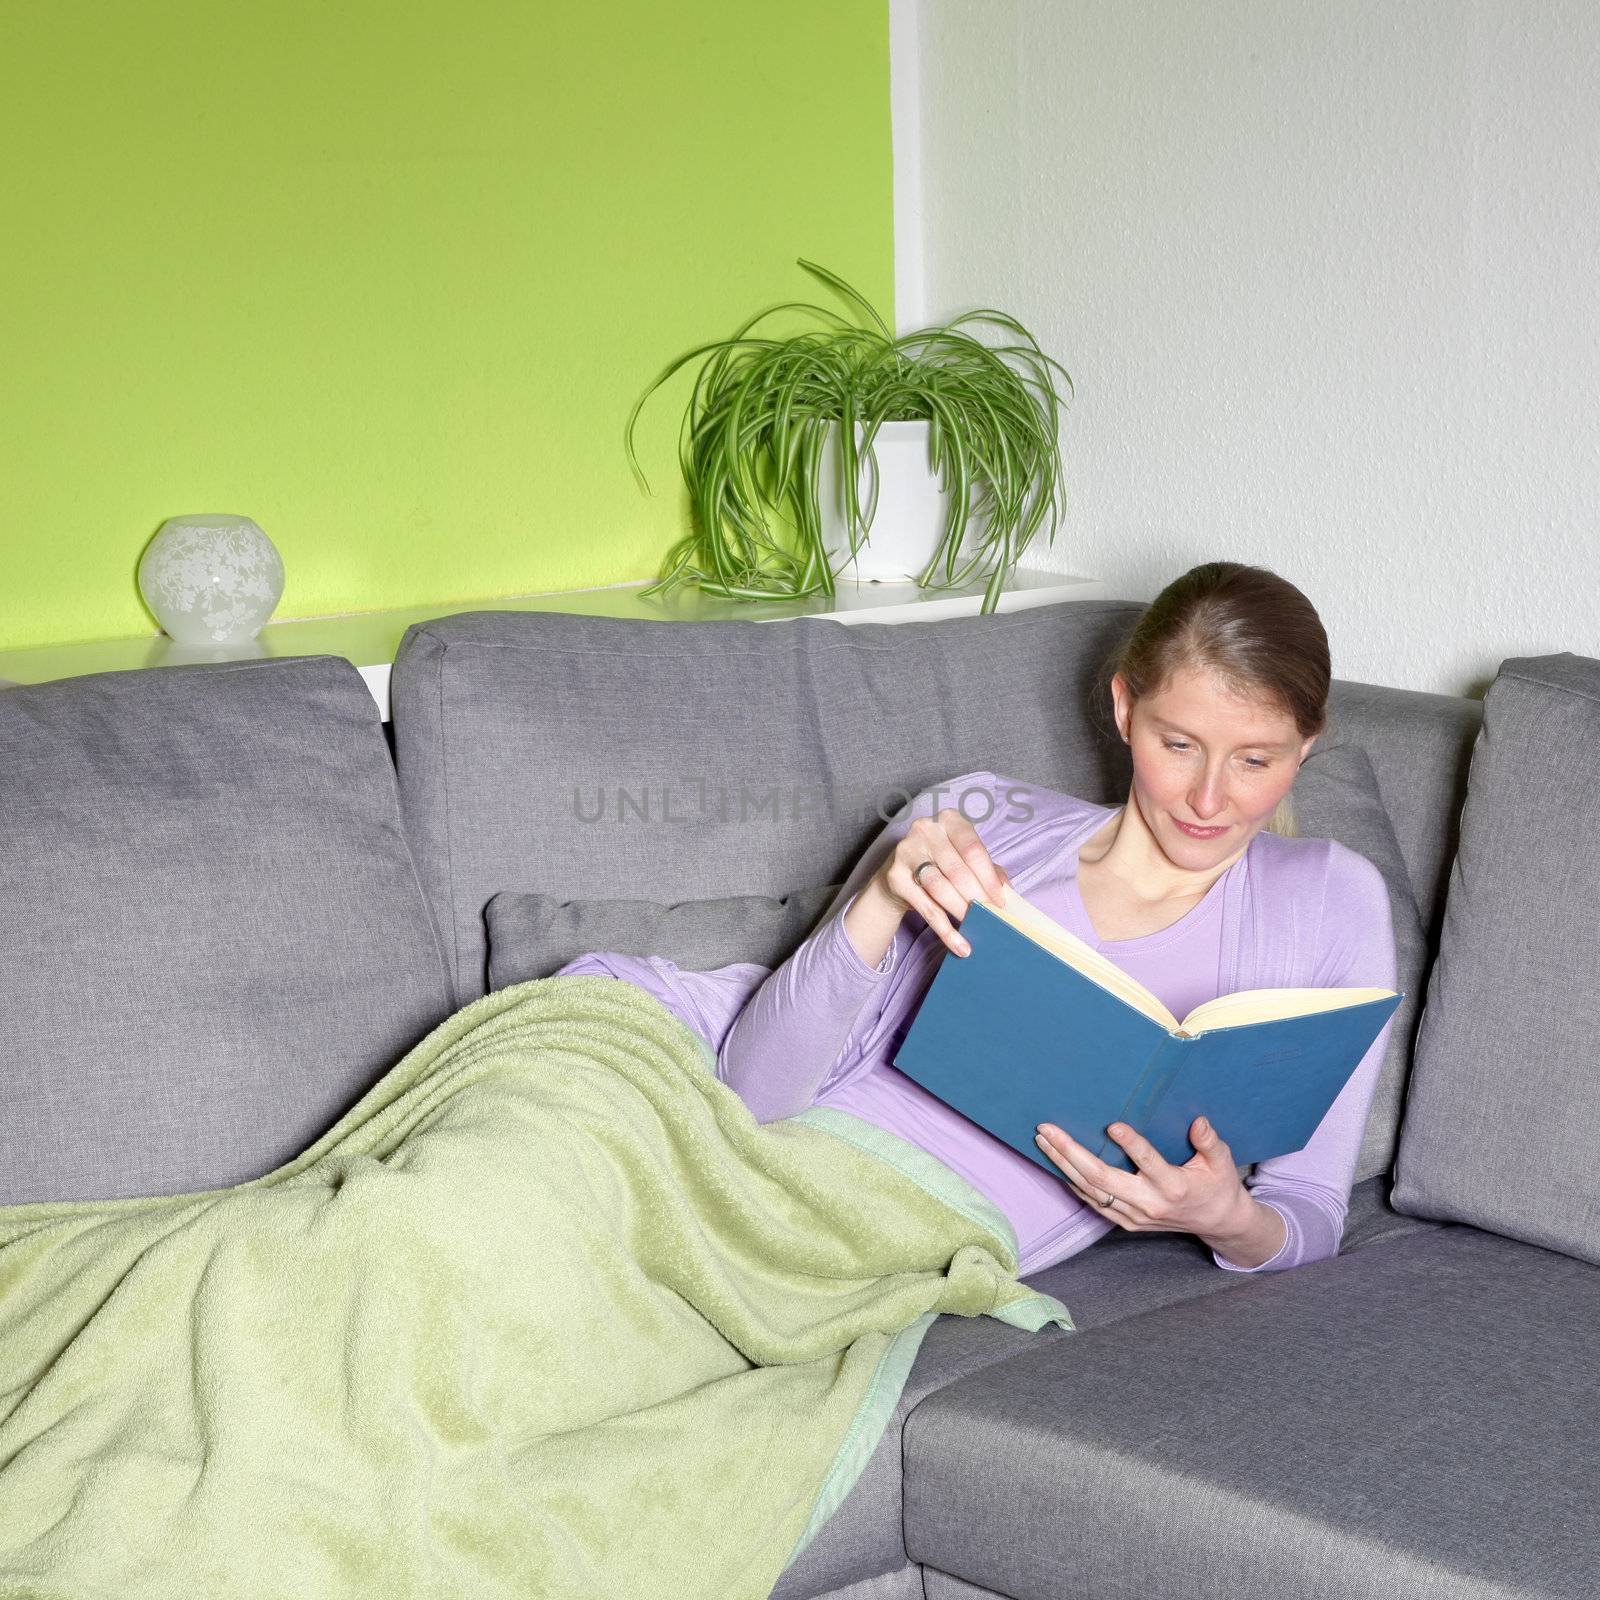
point(1145, 1095)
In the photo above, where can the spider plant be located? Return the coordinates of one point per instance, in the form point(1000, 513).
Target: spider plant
point(763, 409)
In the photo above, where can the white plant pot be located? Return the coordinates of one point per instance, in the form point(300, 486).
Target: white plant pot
point(909, 506)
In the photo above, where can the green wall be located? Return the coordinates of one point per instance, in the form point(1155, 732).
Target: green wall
point(387, 277)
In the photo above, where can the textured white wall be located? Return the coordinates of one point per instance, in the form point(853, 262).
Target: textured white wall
point(1326, 274)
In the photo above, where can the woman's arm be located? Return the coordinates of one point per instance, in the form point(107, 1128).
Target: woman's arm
point(1310, 1189)
point(782, 1048)
point(792, 1030)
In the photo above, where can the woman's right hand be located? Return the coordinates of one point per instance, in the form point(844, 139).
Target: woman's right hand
point(962, 871)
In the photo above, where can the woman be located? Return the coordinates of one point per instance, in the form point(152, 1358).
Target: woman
point(1219, 693)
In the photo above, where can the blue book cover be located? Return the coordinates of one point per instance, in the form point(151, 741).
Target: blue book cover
point(1013, 1035)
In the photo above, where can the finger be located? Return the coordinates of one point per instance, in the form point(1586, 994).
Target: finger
point(950, 880)
point(1144, 1155)
point(937, 874)
point(1209, 1143)
point(919, 897)
point(930, 840)
point(939, 881)
point(1134, 1191)
point(1083, 1164)
point(1057, 1156)
point(1083, 1169)
point(1081, 1157)
point(1063, 1165)
point(1119, 1210)
point(968, 863)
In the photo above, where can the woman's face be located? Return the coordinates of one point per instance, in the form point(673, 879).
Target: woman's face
point(1209, 767)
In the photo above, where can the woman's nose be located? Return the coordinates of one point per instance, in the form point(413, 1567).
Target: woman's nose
point(1206, 798)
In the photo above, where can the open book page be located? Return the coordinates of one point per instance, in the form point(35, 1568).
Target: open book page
point(1044, 930)
point(1269, 1005)
point(1226, 1011)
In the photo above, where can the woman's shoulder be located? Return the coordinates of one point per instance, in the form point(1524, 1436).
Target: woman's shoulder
point(1342, 876)
point(1328, 905)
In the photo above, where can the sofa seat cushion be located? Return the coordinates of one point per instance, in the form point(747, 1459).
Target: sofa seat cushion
point(214, 939)
point(1504, 1095)
point(1119, 1276)
point(1406, 1420)
point(863, 1537)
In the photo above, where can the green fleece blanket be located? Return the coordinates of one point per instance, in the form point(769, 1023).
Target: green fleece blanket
point(546, 1314)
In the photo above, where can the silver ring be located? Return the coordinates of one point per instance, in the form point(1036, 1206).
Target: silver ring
point(916, 876)
point(1110, 1200)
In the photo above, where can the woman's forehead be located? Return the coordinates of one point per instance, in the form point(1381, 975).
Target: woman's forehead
point(1193, 698)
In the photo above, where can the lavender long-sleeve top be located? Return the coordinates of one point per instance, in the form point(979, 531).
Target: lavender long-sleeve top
point(823, 1028)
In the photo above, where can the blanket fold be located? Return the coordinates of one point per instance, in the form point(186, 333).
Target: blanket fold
point(547, 1313)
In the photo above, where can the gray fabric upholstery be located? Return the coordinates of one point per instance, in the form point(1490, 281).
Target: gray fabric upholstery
point(904, 1583)
point(229, 1014)
point(511, 729)
point(590, 760)
point(941, 1586)
point(531, 935)
point(1406, 1421)
point(1336, 797)
point(592, 757)
point(587, 757)
point(1505, 1095)
point(1119, 1276)
point(1420, 746)
point(864, 1536)
point(214, 939)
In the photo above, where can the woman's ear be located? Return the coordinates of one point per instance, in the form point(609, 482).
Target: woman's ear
point(1122, 705)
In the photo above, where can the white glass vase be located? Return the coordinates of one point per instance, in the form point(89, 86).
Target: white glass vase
point(211, 580)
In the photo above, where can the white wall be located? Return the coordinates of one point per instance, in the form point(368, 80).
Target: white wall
point(1326, 275)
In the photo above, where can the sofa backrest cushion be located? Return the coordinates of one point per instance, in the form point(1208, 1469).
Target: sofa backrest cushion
point(1505, 1089)
point(593, 757)
point(1336, 797)
point(214, 940)
point(1419, 746)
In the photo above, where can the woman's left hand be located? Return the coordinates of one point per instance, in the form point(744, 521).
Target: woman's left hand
point(1203, 1196)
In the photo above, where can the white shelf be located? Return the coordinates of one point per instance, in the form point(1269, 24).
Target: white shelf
point(369, 639)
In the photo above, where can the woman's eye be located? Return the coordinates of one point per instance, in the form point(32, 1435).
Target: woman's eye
point(1182, 747)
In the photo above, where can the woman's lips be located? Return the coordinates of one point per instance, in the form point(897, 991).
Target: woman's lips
point(1200, 833)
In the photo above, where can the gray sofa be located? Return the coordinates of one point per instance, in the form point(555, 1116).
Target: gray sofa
point(226, 893)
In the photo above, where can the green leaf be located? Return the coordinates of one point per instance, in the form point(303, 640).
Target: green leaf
point(757, 418)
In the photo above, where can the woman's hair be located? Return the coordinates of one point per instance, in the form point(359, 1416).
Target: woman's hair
point(1252, 629)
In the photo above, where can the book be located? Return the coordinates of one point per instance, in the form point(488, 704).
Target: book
point(1035, 1025)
